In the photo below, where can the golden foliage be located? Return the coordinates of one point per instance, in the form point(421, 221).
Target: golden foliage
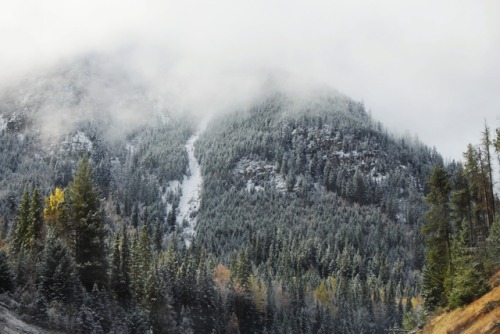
point(259, 293)
point(325, 292)
point(53, 206)
point(322, 294)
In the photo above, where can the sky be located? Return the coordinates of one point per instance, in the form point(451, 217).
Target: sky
point(424, 68)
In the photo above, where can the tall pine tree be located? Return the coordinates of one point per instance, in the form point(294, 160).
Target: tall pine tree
point(87, 227)
point(437, 233)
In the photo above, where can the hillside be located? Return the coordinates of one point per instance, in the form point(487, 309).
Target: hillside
point(481, 316)
point(294, 213)
point(11, 323)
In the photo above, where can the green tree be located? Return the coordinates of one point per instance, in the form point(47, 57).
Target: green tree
point(479, 186)
point(34, 237)
point(115, 278)
point(494, 245)
point(488, 175)
point(461, 205)
point(21, 231)
point(437, 234)
point(119, 276)
point(6, 276)
point(468, 280)
point(87, 227)
point(56, 272)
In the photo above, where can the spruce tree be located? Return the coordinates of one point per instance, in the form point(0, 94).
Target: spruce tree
point(437, 233)
point(468, 280)
point(34, 235)
point(56, 272)
point(6, 276)
point(20, 233)
point(488, 175)
point(87, 227)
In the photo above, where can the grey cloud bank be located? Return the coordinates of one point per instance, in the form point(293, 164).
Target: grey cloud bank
point(428, 67)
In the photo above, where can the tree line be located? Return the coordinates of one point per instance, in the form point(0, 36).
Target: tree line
point(462, 229)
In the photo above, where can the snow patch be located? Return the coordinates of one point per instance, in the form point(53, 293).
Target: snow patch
point(79, 141)
point(280, 183)
point(189, 202)
point(259, 172)
point(252, 187)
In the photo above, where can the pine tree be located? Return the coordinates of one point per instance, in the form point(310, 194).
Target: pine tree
point(171, 219)
point(437, 233)
point(87, 227)
point(34, 237)
point(157, 236)
point(115, 278)
point(488, 175)
point(6, 276)
point(186, 325)
point(135, 216)
point(461, 205)
point(494, 244)
point(468, 279)
point(125, 293)
point(56, 272)
point(99, 303)
point(19, 239)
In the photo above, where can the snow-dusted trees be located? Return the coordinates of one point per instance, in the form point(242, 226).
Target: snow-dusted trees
point(87, 225)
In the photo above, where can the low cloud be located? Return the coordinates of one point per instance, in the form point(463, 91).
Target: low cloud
point(427, 67)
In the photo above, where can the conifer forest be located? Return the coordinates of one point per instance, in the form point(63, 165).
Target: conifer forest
point(288, 215)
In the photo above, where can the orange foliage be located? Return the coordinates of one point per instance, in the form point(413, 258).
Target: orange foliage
point(221, 276)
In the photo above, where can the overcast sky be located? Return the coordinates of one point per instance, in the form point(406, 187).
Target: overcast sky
point(430, 68)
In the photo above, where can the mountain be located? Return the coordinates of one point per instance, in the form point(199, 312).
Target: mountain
point(50, 121)
point(294, 213)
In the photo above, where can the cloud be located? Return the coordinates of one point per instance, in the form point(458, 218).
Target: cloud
point(429, 67)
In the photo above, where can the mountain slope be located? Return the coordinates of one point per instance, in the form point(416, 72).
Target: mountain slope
point(134, 139)
point(308, 218)
point(481, 316)
point(315, 192)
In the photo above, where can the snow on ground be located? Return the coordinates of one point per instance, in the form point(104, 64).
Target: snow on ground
point(258, 172)
point(189, 202)
point(78, 141)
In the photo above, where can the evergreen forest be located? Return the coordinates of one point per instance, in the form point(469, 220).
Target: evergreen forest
point(314, 218)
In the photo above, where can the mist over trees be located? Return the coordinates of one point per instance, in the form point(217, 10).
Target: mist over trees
point(313, 218)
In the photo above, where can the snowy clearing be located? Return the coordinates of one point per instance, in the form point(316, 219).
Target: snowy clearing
point(190, 190)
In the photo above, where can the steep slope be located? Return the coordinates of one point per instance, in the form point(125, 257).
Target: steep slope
point(482, 316)
point(10, 323)
point(315, 193)
point(94, 107)
point(302, 213)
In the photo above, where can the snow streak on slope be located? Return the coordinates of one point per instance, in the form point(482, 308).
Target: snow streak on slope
point(191, 190)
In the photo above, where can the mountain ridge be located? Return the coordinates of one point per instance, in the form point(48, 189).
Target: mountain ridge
point(308, 204)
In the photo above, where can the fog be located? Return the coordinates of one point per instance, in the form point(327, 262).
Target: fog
point(425, 67)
